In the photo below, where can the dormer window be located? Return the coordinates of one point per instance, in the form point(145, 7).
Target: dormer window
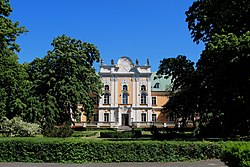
point(106, 87)
point(143, 88)
point(157, 85)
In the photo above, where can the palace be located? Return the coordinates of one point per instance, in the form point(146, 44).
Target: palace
point(133, 96)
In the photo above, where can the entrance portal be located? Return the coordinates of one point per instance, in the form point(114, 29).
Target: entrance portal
point(125, 120)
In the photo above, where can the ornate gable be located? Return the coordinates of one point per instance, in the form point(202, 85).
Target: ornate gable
point(124, 64)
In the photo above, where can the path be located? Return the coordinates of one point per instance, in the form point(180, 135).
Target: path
point(207, 163)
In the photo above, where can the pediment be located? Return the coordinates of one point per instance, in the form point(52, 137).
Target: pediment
point(124, 64)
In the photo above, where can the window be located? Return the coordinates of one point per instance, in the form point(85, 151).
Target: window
point(96, 99)
point(95, 117)
point(157, 85)
point(143, 88)
point(106, 98)
point(125, 98)
point(106, 87)
point(170, 118)
point(106, 117)
point(143, 117)
point(154, 117)
point(143, 98)
point(153, 100)
point(124, 87)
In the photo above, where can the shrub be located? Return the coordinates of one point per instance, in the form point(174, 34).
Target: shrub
point(120, 134)
point(83, 134)
point(237, 154)
point(18, 128)
point(71, 150)
point(58, 131)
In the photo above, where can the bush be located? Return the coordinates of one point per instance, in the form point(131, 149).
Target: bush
point(237, 154)
point(83, 134)
point(80, 128)
point(58, 131)
point(72, 150)
point(121, 134)
point(18, 128)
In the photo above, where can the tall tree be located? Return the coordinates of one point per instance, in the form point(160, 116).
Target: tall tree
point(206, 18)
point(65, 78)
point(182, 102)
point(13, 76)
point(218, 91)
point(223, 70)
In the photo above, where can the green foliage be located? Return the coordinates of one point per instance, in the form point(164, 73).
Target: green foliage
point(121, 134)
point(18, 128)
point(237, 154)
point(9, 30)
point(184, 79)
point(13, 84)
point(63, 79)
point(58, 131)
point(78, 151)
point(216, 91)
point(80, 128)
point(83, 133)
point(206, 18)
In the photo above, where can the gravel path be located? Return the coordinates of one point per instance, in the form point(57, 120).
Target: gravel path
point(207, 163)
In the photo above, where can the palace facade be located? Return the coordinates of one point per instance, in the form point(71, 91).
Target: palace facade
point(133, 96)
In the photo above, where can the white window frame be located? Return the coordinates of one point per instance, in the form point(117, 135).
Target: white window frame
point(106, 99)
point(127, 98)
point(143, 117)
point(154, 97)
point(143, 98)
point(154, 117)
point(106, 117)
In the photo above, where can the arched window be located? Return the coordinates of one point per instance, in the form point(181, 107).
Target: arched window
point(125, 98)
point(106, 98)
point(106, 87)
point(143, 117)
point(143, 98)
point(143, 88)
point(157, 85)
point(124, 87)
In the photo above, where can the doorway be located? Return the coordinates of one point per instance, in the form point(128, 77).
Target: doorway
point(125, 120)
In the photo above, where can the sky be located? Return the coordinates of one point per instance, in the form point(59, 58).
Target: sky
point(139, 29)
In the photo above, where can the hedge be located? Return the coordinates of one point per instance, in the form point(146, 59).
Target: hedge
point(121, 134)
point(72, 150)
point(237, 154)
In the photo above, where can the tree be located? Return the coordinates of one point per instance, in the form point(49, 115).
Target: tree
point(224, 72)
point(206, 18)
point(217, 90)
point(182, 102)
point(63, 79)
point(13, 76)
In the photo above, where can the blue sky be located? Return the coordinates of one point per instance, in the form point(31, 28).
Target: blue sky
point(139, 29)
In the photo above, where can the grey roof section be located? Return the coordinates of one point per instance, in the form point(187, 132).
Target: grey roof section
point(164, 84)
